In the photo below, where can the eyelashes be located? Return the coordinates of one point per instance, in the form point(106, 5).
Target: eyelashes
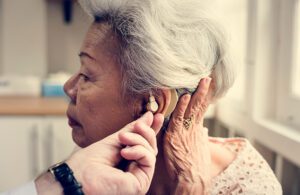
point(84, 77)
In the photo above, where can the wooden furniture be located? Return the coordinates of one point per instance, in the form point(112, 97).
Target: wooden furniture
point(34, 134)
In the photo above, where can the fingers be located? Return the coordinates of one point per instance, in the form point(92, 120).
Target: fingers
point(158, 121)
point(132, 139)
point(155, 121)
point(147, 118)
point(198, 101)
point(142, 167)
point(141, 150)
point(148, 134)
point(178, 114)
point(140, 154)
point(142, 134)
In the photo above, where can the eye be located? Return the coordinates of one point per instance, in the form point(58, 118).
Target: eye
point(84, 77)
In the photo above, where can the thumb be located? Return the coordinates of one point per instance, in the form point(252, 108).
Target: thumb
point(147, 119)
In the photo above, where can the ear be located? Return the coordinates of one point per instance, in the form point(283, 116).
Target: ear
point(167, 100)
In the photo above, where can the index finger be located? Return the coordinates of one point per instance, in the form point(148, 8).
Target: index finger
point(177, 116)
point(198, 100)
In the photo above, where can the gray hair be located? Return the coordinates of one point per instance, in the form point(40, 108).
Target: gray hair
point(166, 43)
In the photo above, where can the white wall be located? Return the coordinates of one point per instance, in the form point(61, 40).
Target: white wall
point(64, 40)
point(34, 40)
point(1, 29)
point(24, 37)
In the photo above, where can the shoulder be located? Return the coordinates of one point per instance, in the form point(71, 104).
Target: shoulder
point(248, 172)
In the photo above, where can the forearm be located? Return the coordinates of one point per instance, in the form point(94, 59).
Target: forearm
point(47, 185)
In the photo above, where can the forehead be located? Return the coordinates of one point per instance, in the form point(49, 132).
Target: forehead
point(100, 38)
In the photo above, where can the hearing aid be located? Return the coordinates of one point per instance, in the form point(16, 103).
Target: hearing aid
point(173, 102)
point(152, 105)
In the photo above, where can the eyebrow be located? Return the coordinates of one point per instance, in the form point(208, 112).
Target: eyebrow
point(84, 54)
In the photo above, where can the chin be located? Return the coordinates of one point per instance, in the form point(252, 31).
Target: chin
point(79, 138)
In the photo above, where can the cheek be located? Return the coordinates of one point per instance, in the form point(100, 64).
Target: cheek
point(92, 117)
point(102, 115)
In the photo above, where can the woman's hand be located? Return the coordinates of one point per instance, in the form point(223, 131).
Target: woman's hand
point(94, 166)
point(186, 148)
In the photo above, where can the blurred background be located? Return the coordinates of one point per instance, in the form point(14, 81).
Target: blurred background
point(39, 45)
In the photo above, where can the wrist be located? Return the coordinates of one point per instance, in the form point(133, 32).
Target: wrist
point(76, 167)
point(80, 171)
point(46, 184)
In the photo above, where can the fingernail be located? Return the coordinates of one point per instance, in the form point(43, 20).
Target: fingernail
point(207, 80)
point(126, 149)
point(187, 97)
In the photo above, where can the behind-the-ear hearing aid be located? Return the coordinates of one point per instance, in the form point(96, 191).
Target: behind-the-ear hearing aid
point(173, 102)
point(152, 105)
point(175, 94)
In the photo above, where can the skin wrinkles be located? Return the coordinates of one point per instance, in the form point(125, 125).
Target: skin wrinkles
point(97, 107)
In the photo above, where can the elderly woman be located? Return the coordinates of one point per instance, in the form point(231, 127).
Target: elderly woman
point(153, 55)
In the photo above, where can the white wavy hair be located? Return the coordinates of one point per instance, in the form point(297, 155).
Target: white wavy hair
point(166, 43)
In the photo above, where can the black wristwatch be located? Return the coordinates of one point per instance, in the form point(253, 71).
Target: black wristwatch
point(64, 175)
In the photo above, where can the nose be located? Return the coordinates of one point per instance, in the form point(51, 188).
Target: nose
point(70, 88)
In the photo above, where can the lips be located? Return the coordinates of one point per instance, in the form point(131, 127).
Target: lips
point(72, 121)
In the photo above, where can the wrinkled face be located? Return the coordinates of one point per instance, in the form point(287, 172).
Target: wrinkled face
point(97, 108)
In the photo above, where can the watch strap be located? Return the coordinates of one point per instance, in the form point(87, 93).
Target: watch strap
point(64, 175)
